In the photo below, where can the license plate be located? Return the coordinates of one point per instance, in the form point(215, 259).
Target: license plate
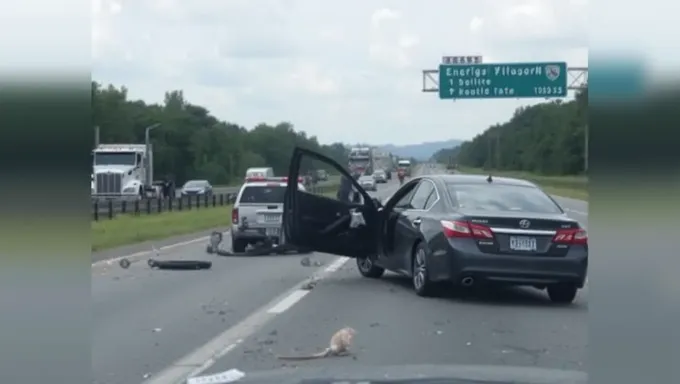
point(522, 243)
point(272, 231)
point(272, 218)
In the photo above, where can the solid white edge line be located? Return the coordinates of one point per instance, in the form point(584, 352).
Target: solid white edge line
point(205, 356)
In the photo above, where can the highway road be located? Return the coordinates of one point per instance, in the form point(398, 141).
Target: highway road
point(153, 326)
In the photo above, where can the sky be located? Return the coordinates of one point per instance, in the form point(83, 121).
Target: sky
point(346, 71)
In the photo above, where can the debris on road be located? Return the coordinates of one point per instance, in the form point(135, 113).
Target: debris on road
point(179, 264)
point(225, 377)
point(308, 286)
point(124, 263)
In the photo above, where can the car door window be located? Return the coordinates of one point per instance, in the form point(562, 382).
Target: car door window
point(432, 199)
point(423, 191)
point(405, 202)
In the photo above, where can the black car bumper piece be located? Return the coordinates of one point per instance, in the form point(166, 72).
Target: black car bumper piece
point(462, 259)
point(252, 235)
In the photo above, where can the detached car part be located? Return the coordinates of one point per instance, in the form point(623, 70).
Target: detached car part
point(179, 264)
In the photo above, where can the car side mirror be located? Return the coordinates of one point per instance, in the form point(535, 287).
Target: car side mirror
point(377, 202)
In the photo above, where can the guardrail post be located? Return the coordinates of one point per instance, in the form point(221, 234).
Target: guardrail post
point(159, 204)
point(205, 201)
point(180, 203)
point(221, 199)
point(123, 207)
point(110, 209)
point(148, 206)
point(136, 207)
point(189, 202)
point(171, 201)
point(214, 200)
point(96, 210)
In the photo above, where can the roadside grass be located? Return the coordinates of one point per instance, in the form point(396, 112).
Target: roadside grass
point(129, 229)
point(575, 187)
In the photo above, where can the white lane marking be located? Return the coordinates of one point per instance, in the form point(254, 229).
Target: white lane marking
point(289, 301)
point(337, 264)
point(205, 356)
point(138, 255)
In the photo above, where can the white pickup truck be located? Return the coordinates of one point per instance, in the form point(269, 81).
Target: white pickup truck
point(258, 212)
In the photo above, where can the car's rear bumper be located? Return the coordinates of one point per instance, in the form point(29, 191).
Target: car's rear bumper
point(458, 262)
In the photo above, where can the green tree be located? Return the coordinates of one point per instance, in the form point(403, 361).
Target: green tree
point(192, 143)
point(547, 138)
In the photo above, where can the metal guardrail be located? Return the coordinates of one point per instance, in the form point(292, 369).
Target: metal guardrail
point(108, 209)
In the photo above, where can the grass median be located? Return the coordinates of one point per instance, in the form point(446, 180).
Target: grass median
point(130, 229)
point(575, 187)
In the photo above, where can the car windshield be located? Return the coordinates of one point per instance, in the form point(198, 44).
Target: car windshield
point(263, 194)
point(501, 197)
point(195, 184)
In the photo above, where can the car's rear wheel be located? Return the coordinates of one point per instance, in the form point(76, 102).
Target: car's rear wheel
point(420, 275)
point(238, 245)
point(562, 293)
point(367, 268)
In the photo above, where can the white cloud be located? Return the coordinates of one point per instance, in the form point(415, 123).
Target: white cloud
point(346, 70)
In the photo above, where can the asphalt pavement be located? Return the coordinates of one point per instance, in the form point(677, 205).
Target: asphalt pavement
point(155, 326)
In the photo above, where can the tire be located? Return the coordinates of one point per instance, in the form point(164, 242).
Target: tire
point(419, 273)
point(562, 293)
point(367, 268)
point(238, 246)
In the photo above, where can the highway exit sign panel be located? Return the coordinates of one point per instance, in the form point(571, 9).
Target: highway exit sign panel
point(503, 80)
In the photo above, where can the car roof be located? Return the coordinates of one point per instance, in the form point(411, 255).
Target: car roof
point(481, 179)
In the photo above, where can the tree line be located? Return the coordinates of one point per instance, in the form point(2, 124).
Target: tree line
point(547, 138)
point(193, 144)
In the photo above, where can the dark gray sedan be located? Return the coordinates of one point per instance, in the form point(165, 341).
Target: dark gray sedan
point(464, 230)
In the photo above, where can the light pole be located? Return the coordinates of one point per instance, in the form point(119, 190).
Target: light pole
point(147, 152)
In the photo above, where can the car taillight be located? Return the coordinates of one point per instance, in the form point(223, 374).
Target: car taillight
point(462, 229)
point(571, 236)
point(234, 216)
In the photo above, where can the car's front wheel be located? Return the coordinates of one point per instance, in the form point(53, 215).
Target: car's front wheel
point(367, 268)
point(562, 293)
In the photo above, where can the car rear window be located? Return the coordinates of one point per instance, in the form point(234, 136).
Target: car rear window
point(501, 197)
point(263, 194)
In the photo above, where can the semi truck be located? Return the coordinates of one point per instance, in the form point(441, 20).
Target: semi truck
point(361, 160)
point(405, 165)
point(123, 171)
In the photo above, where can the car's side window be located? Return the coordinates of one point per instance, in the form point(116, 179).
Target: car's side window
point(431, 199)
point(405, 201)
point(423, 191)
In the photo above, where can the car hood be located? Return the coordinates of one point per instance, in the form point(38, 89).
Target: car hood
point(417, 374)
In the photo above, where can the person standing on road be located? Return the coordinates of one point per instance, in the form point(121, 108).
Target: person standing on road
point(346, 192)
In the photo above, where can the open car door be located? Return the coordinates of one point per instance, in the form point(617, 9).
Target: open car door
point(335, 216)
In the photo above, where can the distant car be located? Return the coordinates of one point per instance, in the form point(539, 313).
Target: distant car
point(380, 176)
point(368, 183)
point(197, 188)
point(257, 212)
point(322, 175)
point(460, 229)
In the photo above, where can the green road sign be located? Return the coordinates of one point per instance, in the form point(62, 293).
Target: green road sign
point(502, 80)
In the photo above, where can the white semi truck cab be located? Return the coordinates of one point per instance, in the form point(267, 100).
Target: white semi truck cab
point(119, 171)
